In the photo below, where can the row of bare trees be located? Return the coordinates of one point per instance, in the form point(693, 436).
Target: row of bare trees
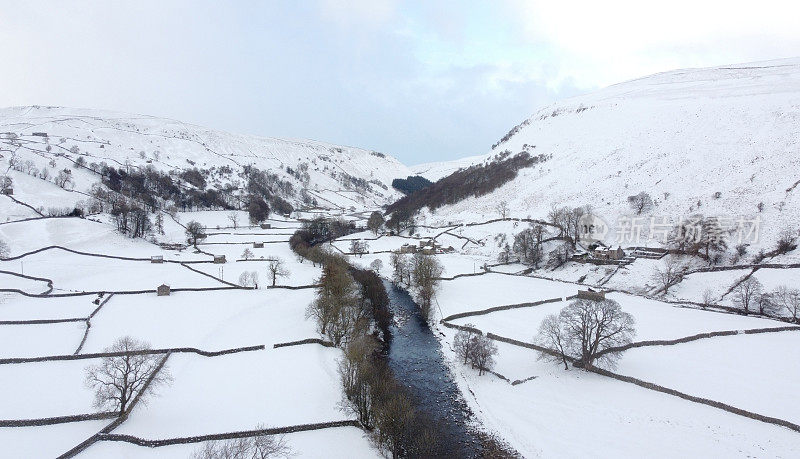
point(421, 274)
point(475, 349)
point(382, 405)
point(359, 247)
point(338, 307)
point(344, 314)
point(749, 296)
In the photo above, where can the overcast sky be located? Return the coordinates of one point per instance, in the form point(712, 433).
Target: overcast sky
point(421, 80)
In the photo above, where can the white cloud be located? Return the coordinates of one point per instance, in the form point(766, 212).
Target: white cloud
point(358, 13)
point(600, 43)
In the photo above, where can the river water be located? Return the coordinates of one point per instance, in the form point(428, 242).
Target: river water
point(418, 364)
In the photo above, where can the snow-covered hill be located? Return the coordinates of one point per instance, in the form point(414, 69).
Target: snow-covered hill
point(337, 176)
point(717, 141)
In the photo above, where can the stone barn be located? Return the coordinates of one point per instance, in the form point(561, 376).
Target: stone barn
point(258, 245)
point(219, 259)
point(157, 259)
point(266, 226)
point(591, 295)
point(163, 290)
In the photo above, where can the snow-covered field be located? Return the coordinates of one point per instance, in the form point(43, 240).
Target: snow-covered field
point(718, 141)
point(241, 391)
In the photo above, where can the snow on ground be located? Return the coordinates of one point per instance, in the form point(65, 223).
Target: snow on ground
point(20, 283)
point(44, 195)
point(718, 282)
point(46, 441)
point(300, 273)
point(578, 414)
point(50, 389)
point(682, 136)
point(210, 321)
point(774, 278)
point(338, 443)
point(72, 272)
point(654, 319)
point(11, 211)
point(276, 387)
point(753, 372)
point(40, 340)
point(17, 307)
point(83, 235)
point(488, 290)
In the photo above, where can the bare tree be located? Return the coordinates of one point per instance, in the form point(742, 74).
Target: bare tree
point(247, 254)
point(708, 297)
point(359, 247)
point(787, 241)
point(249, 279)
point(401, 269)
point(6, 182)
point(159, 222)
point(234, 219)
point(64, 178)
point(337, 306)
point(255, 447)
point(502, 209)
point(394, 418)
point(746, 294)
point(587, 331)
point(483, 353)
point(712, 237)
point(376, 265)
point(194, 231)
point(464, 343)
point(359, 378)
point(640, 203)
point(375, 222)
point(528, 245)
point(669, 274)
point(552, 335)
point(788, 300)
point(118, 379)
point(277, 268)
point(425, 273)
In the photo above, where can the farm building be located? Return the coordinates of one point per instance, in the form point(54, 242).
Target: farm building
point(591, 295)
point(408, 248)
point(157, 259)
point(266, 226)
point(602, 252)
point(258, 245)
point(219, 259)
point(7, 191)
point(163, 290)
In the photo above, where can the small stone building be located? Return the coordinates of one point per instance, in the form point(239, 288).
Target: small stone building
point(591, 295)
point(408, 248)
point(157, 259)
point(219, 259)
point(266, 226)
point(7, 191)
point(258, 245)
point(163, 290)
point(607, 253)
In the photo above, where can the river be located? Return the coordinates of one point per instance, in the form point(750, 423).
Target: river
point(418, 364)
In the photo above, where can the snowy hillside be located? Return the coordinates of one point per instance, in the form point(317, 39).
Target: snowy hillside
point(333, 176)
point(717, 141)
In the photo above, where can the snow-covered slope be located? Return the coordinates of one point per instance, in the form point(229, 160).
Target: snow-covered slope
point(119, 139)
point(716, 141)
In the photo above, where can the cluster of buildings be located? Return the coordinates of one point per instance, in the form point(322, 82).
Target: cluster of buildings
point(428, 247)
